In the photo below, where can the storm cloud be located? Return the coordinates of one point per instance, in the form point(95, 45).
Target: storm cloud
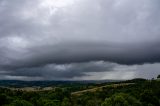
point(81, 37)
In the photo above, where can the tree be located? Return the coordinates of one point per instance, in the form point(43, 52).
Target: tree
point(158, 76)
point(66, 102)
point(121, 99)
point(48, 102)
point(147, 97)
point(3, 99)
point(20, 103)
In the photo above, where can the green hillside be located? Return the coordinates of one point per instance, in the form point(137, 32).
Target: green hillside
point(137, 92)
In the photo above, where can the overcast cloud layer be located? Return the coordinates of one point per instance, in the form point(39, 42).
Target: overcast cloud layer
point(79, 39)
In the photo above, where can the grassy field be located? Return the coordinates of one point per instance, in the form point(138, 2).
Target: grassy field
point(100, 88)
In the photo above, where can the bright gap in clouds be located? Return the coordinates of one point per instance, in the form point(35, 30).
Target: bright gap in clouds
point(56, 3)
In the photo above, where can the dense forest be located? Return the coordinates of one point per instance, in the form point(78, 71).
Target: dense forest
point(136, 92)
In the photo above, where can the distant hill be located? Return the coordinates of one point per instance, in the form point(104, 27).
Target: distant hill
point(17, 83)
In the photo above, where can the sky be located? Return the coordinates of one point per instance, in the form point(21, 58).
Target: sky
point(79, 39)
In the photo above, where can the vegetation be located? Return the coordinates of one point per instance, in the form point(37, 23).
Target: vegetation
point(137, 92)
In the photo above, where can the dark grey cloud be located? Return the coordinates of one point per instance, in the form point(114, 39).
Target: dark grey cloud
point(62, 71)
point(95, 70)
point(128, 54)
point(35, 34)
